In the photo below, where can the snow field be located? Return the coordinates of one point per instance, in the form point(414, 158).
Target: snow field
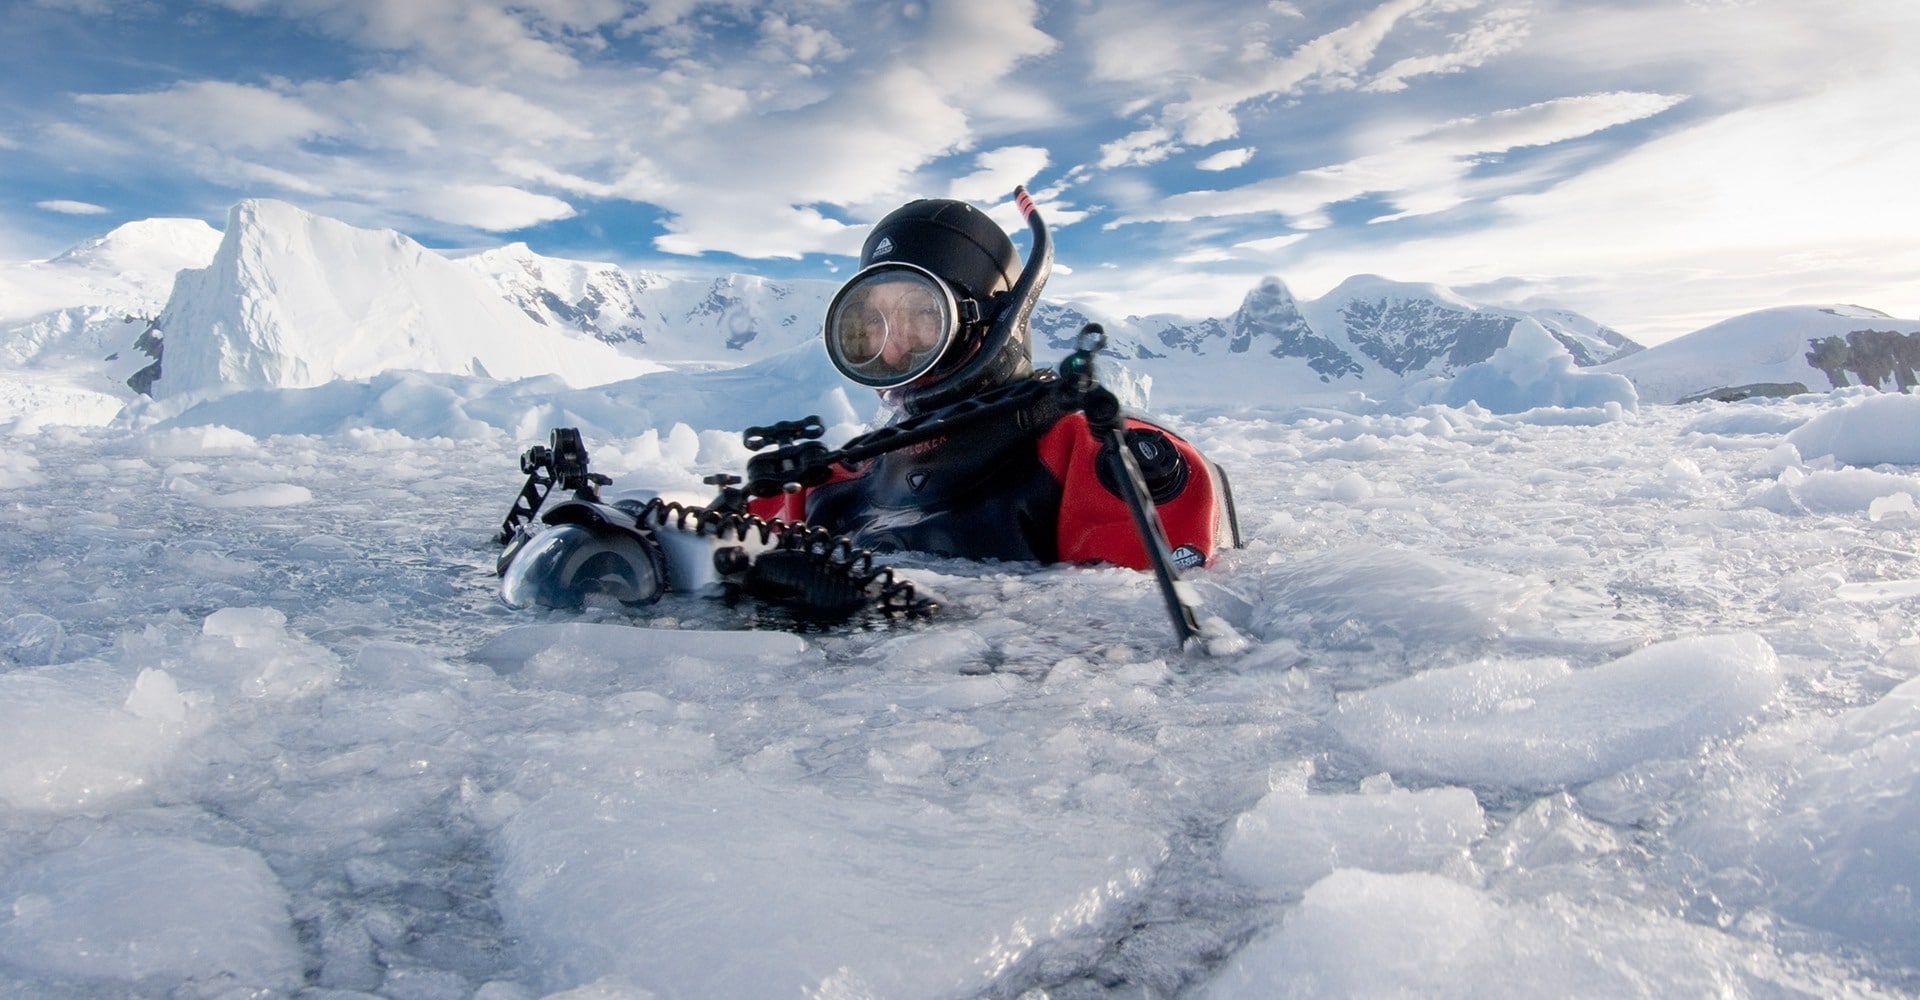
point(1596, 702)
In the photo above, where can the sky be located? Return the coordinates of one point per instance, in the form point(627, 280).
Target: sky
point(1658, 165)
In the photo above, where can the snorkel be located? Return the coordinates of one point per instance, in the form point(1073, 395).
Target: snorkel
point(992, 364)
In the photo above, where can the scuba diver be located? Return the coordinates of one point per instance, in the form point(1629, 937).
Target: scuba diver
point(983, 457)
point(916, 323)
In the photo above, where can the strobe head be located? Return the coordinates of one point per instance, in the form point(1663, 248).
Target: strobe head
point(563, 459)
point(569, 458)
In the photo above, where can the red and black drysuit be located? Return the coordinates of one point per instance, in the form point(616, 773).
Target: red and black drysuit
point(1010, 490)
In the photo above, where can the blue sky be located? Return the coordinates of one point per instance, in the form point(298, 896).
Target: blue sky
point(1656, 164)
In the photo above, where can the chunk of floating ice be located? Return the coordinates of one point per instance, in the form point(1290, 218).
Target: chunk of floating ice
point(723, 887)
point(1359, 933)
point(1878, 590)
point(67, 746)
point(1897, 505)
point(252, 650)
point(1409, 594)
point(126, 908)
point(630, 646)
point(1539, 724)
point(1820, 826)
point(270, 495)
point(33, 640)
point(1292, 839)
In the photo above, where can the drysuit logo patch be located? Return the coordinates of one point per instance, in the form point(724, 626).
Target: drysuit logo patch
point(916, 481)
point(1188, 557)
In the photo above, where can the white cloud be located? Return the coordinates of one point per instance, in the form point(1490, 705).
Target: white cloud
point(1204, 255)
point(1500, 32)
point(414, 113)
point(1000, 170)
point(1271, 244)
point(1546, 122)
point(92, 7)
point(1730, 215)
point(752, 187)
point(1334, 59)
point(220, 115)
point(801, 43)
point(971, 43)
point(493, 208)
point(1213, 66)
point(420, 108)
point(1137, 40)
point(661, 15)
point(1056, 210)
point(247, 174)
point(1746, 52)
point(457, 34)
point(1227, 159)
point(1422, 171)
point(1142, 148)
point(539, 174)
point(758, 226)
point(1206, 126)
point(70, 207)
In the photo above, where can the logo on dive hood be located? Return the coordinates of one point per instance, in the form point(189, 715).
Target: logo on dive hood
point(884, 247)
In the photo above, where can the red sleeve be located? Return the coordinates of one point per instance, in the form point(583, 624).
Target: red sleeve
point(1095, 525)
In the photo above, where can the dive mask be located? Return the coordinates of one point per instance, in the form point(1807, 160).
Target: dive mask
point(893, 322)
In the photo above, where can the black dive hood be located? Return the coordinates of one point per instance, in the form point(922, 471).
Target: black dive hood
point(993, 364)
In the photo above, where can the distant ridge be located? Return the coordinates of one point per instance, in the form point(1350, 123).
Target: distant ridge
point(286, 298)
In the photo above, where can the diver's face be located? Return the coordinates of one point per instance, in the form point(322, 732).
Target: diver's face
point(890, 326)
point(901, 323)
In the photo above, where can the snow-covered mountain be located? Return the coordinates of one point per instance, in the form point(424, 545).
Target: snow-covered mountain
point(735, 316)
point(293, 299)
point(1368, 330)
point(68, 325)
point(79, 305)
point(129, 271)
point(285, 298)
point(1369, 324)
point(594, 298)
point(1775, 350)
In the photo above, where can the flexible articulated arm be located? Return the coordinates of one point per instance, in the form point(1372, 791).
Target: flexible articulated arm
point(798, 460)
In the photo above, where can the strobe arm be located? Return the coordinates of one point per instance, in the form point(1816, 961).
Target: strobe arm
point(561, 462)
point(795, 464)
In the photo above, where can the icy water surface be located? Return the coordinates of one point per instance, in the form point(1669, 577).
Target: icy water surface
point(1579, 702)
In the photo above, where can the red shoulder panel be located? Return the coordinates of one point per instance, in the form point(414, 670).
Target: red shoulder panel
point(1095, 525)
